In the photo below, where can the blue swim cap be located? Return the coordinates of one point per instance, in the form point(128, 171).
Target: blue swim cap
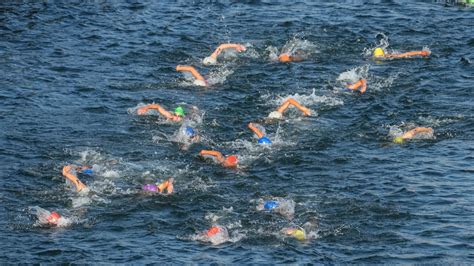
point(264, 140)
point(88, 171)
point(268, 205)
point(190, 132)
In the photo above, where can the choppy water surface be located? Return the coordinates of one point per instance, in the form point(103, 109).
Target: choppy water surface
point(71, 73)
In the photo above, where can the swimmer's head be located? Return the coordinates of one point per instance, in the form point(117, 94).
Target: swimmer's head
point(264, 140)
point(213, 231)
point(270, 205)
point(179, 111)
point(88, 171)
point(284, 58)
point(53, 218)
point(378, 52)
point(230, 161)
point(398, 140)
point(275, 115)
point(150, 187)
point(209, 60)
point(189, 131)
point(297, 233)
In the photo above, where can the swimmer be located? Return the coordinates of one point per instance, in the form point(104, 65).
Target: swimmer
point(278, 114)
point(285, 207)
point(177, 116)
point(360, 85)
point(412, 133)
point(199, 79)
point(189, 133)
point(212, 59)
point(302, 233)
point(216, 235)
point(380, 53)
point(259, 132)
point(70, 172)
point(46, 217)
point(289, 57)
point(227, 161)
point(166, 185)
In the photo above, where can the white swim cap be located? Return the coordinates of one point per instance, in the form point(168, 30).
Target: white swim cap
point(198, 82)
point(275, 115)
point(209, 60)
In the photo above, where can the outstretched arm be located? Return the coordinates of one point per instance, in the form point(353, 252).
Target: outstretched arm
point(293, 102)
point(255, 130)
point(142, 110)
point(222, 47)
point(411, 133)
point(409, 54)
point(219, 157)
point(67, 172)
point(192, 70)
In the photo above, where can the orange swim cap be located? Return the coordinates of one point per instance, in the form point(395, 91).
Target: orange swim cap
point(53, 218)
point(212, 231)
point(284, 57)
point(230, 161)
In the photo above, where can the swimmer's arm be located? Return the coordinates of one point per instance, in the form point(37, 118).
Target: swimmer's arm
point(293, 102)
point(411, 133)
point(157, 107)
point(237, 47)
point(409, 54)
point(73, 177)
point(215, 154)
point(255, 130)
point(192, 70)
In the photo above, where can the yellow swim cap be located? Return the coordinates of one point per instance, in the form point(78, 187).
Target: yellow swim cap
point(299, 234)
point(378, 52)
point(398, 140)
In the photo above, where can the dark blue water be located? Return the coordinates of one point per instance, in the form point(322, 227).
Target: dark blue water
point(70, 73)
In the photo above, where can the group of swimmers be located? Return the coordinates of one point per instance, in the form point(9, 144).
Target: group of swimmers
point(217, 233)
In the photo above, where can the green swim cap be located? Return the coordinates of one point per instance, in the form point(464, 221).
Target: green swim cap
point(398, 140)
point(179, 111)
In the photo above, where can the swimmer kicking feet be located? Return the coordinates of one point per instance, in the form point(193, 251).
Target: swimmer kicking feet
point(161, 187)
point(278, 114)
point(227, 161)
point(258, 130)
point(199, 79)
point(380, 53)
point(212, 59)
point(412, 133)
point(360, 85)
point(70, 172)
point(177, 116)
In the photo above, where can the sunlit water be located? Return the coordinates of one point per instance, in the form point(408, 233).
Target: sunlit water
point(73, 75)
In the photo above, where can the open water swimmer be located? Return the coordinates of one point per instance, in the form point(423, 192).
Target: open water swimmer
point(278, 114)
point(176, 116)
point(167, 185)
point(412, 134)
point(199, 80)
point(259, 132)
point(380, 53)
point(212, 59)
point(70, 173)
point(360, 85)
point(226, 161)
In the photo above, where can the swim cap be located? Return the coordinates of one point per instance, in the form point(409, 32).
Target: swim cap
point(88, 171)
point(264, 140)
point(284, 57)
point(179, 111)
point(230, 161)
point(53, 218)
point(275, 115)
point(268, 205)
point(190, 132)
point(150, 187)
point(378, 52)
point(213, 231)
point(299, 234)
point(398, 140)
